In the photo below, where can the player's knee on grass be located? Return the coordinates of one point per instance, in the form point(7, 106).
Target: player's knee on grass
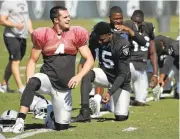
point(121, 117)
point(61, 126)
point(33, 85)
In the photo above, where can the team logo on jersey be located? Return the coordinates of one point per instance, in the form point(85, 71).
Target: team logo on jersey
point(170, 51)
point(126, 50)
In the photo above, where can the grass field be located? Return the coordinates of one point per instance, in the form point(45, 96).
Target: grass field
point(159, 120)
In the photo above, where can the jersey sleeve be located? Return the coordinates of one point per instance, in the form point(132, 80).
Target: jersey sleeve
point(167, 64)
point(92, 45)
point(174, 48)
point(151, 31)
point(81, 36)
point(4, 9)
point(123, 56)
point(37, 38)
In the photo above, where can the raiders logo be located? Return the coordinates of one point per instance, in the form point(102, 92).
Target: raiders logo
point(170, 51)
point(126, 51)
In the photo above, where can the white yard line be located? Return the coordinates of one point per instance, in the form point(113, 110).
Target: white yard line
point(31, 133)
point(24, 67)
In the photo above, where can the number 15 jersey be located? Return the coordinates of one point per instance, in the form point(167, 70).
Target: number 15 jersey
point(114, 57)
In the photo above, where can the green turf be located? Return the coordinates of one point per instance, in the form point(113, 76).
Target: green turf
point(160, 120)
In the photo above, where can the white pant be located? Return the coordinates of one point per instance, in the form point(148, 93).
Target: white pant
point(174, 72)
point(61, 100)
point(120, 99)
point(140, 84)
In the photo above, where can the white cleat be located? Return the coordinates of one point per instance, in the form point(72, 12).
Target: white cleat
point(95, 107)
point(157, 91)
point(19, 126)
point(3, 88)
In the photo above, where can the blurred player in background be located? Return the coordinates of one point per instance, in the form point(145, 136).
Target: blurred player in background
point(58, 46)
point(14, 16)
point(168, 48)
point(139, 57)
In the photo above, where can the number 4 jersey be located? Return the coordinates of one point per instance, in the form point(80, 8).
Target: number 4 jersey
point(59, 52)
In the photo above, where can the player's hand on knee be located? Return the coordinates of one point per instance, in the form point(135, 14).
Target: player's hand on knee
point(153, 82)
point(74, 81)
point(106, 98)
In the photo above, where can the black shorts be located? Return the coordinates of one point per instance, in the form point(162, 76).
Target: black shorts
point(16, 47)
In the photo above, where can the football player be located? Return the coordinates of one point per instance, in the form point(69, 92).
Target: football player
point(166, 46)
point(139, 57)
point(58, 46)
point(116, 21)
point(113, 72)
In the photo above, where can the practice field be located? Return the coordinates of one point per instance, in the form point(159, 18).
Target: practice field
point(159, 120)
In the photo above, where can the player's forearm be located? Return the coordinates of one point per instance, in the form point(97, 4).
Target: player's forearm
point(116, 85)
point(80, 66)
point(86, 67)
point(131, 32)
point(139, 39)
point(30, 27)
point(8, 23)
point(154, 62)
point(162, 77)
point(30, 69)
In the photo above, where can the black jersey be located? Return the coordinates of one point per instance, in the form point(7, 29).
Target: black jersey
point(114, 60)
point(139, 52)
point(171, 49)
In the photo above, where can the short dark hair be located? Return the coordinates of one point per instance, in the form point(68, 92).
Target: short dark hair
point(115, 9)
point(137, 16)
point(54, 12)
point(102, 28)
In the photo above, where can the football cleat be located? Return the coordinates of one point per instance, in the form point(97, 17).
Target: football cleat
point(84, 116)
point(19, 126)
point(157, 91)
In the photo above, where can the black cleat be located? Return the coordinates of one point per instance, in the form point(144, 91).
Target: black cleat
point(84, 116)
point(137, 103)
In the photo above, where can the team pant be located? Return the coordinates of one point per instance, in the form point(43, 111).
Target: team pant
point(140, 84)
point(61, 100)
point(120, 99)
point(174, 72)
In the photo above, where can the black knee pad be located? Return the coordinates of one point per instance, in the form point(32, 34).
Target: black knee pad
point(33, 85)
point(61, 126)
point(89, 76)
point(121, 117)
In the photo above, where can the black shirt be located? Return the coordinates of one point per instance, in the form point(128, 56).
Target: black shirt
point(171, 49)
point(140, 47)
point(114, 60)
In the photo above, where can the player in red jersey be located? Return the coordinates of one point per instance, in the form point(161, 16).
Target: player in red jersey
point(58, 46)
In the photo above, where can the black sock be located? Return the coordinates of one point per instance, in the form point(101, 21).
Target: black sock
point(22, 115)
point(86, 106)
point(61, 126)
point(86, 87)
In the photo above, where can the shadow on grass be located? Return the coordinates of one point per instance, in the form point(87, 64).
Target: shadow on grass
point(39, 126)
